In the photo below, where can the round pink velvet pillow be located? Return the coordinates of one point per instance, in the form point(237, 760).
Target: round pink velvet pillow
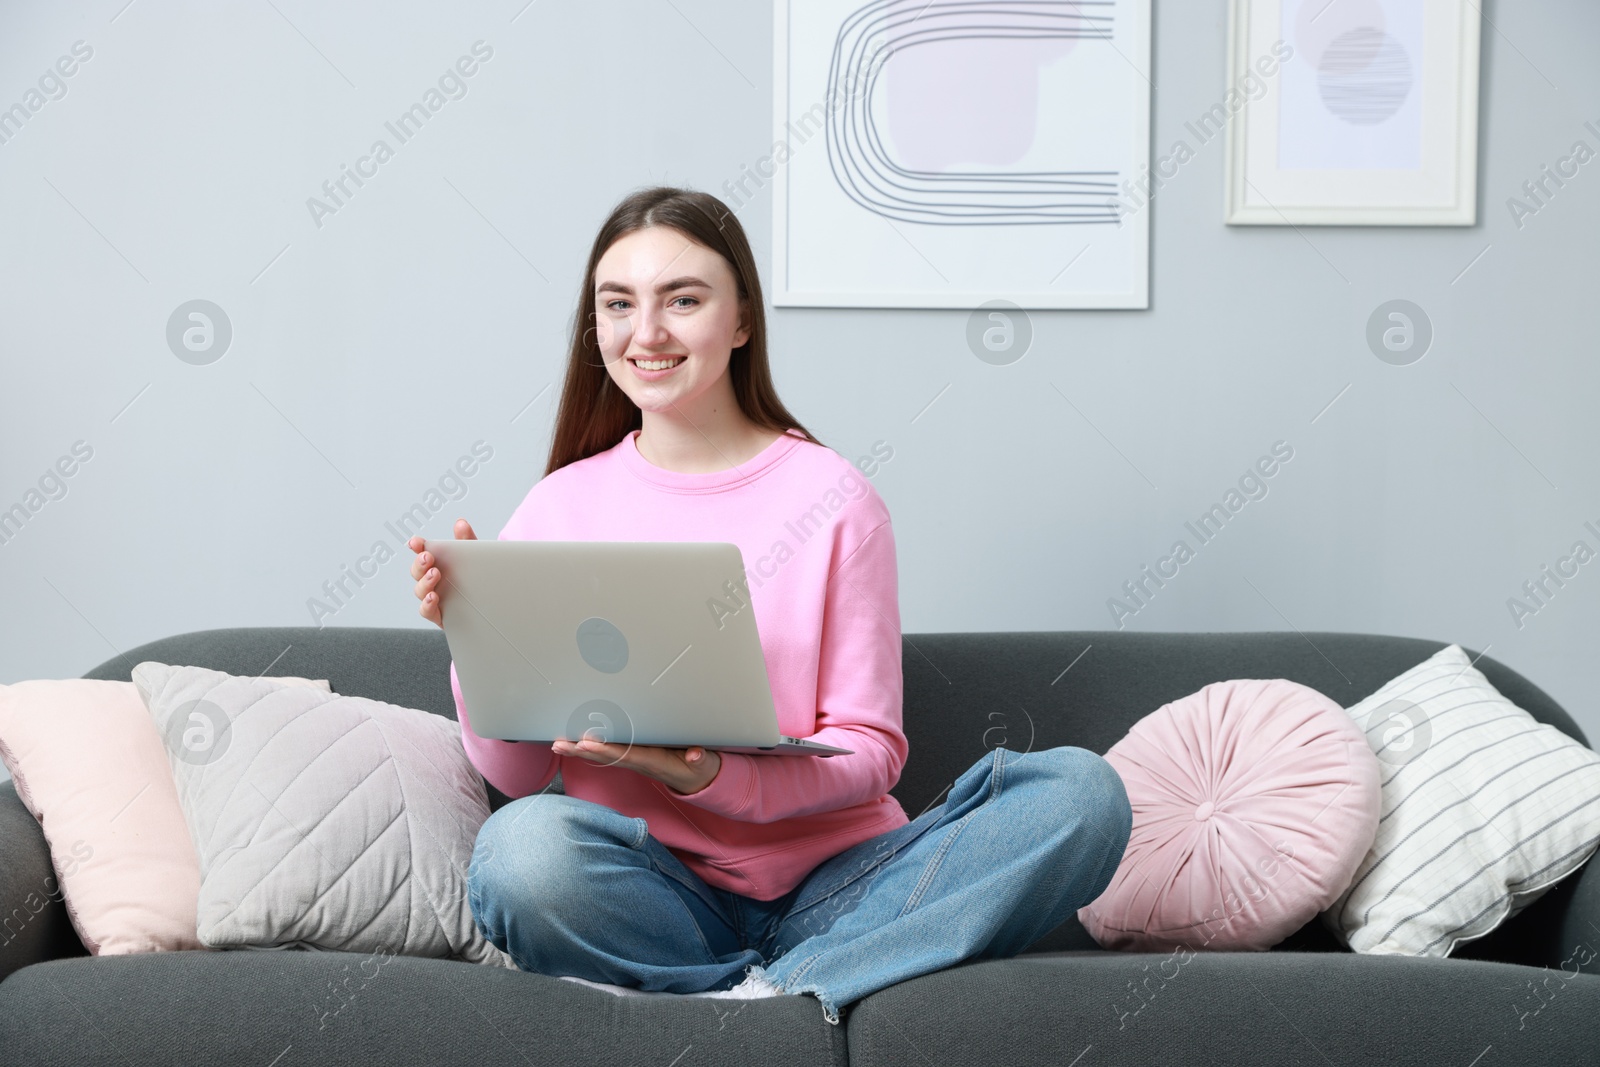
point(1253, 802)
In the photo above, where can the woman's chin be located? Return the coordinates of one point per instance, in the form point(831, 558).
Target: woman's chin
point(655, 401)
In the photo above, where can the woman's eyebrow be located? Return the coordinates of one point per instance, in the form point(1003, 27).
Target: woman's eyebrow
point(684, 282)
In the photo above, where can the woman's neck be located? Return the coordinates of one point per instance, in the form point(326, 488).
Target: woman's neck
point(719, 442)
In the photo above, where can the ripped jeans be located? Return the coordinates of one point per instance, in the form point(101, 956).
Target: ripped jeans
point(570, 887)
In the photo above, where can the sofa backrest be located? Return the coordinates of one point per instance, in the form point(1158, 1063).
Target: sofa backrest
point(968, 692)
point(965, 693)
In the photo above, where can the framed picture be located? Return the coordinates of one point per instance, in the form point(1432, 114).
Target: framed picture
point(1357, 113)
point(946, 155)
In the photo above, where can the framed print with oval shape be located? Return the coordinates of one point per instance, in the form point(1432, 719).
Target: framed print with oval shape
point(1370, 117)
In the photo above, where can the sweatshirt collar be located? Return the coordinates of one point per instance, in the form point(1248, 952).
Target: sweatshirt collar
point(708, 481)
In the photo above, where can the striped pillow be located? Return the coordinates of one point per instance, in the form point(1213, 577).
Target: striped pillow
point(1484, 809)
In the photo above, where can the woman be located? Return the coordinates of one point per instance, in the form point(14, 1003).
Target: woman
point(682, 869)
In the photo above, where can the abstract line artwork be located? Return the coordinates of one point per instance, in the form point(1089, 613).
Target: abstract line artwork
point(943, 154)
point(867, 170)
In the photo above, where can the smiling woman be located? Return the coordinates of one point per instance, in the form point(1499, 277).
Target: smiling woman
point(683, 315)
point(673, 318)
point(679, 870)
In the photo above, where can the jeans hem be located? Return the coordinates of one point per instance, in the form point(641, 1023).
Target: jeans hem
point(830, 1010)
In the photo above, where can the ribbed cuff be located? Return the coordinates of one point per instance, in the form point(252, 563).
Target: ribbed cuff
point(729, 794)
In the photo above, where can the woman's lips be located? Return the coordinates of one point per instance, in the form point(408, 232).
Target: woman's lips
point(656, 375)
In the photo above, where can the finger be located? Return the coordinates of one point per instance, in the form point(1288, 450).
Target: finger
point(420, 564)
point(582, 748)
point(464, 531)
point(609, 753)
point(428, 582)
point(588, 746)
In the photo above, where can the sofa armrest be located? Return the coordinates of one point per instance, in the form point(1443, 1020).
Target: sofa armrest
point(1578, 944)
point(1560, 930)
point(33, 920)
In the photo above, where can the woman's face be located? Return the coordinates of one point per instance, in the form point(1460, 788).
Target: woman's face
point(661, 297)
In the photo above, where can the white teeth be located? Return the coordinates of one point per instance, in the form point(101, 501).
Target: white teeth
point(657, 364)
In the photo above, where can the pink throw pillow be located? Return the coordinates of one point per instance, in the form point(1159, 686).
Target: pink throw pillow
point(1253, 803)
point(90, 766)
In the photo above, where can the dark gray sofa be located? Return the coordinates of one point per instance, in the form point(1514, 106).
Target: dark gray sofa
point(1506, 999)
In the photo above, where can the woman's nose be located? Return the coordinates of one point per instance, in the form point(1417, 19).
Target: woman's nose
point(650, 327)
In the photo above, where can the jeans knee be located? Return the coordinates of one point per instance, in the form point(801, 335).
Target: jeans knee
point(532, 849)
point(1097, 790)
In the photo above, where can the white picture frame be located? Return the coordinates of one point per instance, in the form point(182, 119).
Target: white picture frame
point(1362, 124)
point(873, 207)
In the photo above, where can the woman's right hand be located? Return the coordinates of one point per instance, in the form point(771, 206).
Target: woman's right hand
point(425, 569)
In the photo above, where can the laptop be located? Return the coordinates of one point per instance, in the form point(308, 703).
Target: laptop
point(631, 642)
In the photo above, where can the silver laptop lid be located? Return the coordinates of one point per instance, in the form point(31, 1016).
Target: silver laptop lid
point(643, 642)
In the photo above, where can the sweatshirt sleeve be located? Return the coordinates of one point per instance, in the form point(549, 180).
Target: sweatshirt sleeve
point(859, 694)
point(514, 768)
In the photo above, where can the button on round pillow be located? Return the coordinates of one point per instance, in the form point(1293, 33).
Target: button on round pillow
point(1253, 802)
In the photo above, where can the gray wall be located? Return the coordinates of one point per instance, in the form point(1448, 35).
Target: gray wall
point(430, 312)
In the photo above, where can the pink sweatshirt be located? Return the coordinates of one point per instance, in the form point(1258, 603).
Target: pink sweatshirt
point(819, 555)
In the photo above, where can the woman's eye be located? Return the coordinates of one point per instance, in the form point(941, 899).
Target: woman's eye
point(611, 305)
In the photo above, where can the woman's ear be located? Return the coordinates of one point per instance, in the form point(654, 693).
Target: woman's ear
point(741, 336)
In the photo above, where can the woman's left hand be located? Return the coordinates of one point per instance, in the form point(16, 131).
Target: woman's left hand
point(686, 770)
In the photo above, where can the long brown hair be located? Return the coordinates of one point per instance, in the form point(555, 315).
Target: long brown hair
point(594, 413)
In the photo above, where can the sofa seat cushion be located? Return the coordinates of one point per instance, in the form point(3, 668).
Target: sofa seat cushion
point(1096, 1009)
point(307, 1008)
point(1253, 801)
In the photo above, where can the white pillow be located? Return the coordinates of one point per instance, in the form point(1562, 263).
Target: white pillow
point(1484, 809)
point(321, 821)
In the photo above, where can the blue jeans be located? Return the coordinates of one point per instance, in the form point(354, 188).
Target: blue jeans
point(571, 887)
